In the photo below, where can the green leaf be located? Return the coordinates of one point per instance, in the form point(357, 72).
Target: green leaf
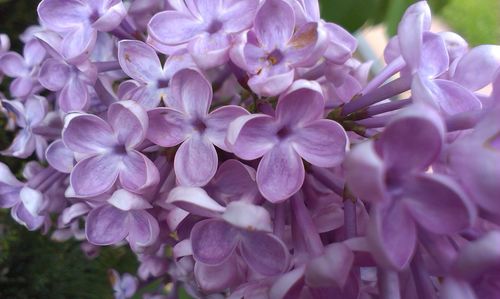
point(349, 14)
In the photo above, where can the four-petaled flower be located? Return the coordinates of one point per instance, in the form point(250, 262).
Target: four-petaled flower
point(106, 151)
point(297, 131)
point(186, 121)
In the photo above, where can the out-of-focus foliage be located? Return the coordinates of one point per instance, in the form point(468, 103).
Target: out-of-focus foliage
point(477, 20)
point(32, 266)
point(355, 13)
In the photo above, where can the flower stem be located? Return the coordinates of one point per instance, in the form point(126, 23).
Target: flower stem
point(106, 66)
point(388, 284)
point(388, 71)
point(304, 228)
point(386, 91)
point(380, 109)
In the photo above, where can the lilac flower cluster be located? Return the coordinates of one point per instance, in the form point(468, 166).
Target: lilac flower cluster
point(241, 150)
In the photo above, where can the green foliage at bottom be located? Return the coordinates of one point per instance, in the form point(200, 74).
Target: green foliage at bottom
point(33, 266)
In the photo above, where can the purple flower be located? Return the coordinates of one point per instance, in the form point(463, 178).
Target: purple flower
point(390, 173)
point(239, 225)
point(474, 159)
point(122, 217)
point(272, 50)
point(426, 57)
point(284, 139)
point(141, 63)
point(106, 151)
point(30, 118)
point(123, 286)
point(205, 27)
point(187, 122)
point(78, 21)
point(23, 68)
point(26, 200)
point(71, 81)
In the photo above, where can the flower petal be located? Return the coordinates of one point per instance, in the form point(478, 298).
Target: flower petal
point(168, 127)
point(139, 61)
point(214, 279)
point(438, 204)
point(77, 44)
point(23, 145)
point(218, 122)
point(478, 67)
point(194, 200)
point(452, 288)
point(195, 162)
point(365, 173)
point(74, 96)
point(95, 175)
point(210, 50)
point(274, 23)
point(53, 74)
point(238, 15)
point(144, 229)
point(251, 136)
point(322, 143)
point(13, 65)
point(173, 27)
point(60, 157)
point(333, 267)
point(127, 201)
point(280, 173)
point(402, 153)
point(106, 225)
point(129, 122)
point(190, 93)
point(414, 23)
point(87, 134)
point(213, 241)
point(138, 172)
point(304, 96)
point(22, 216)
point(234, 181)
point(264, 253)
point(477, 257)
point(248, 216)
point(393, 235)
point(272, 81)
point(62, 15)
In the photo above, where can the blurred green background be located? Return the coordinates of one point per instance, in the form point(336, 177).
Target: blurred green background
point(33, 266)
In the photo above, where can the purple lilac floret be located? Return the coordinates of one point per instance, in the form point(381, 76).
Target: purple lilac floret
point(240, 150)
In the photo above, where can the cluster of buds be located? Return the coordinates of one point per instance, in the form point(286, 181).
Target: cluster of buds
point(240, 149)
